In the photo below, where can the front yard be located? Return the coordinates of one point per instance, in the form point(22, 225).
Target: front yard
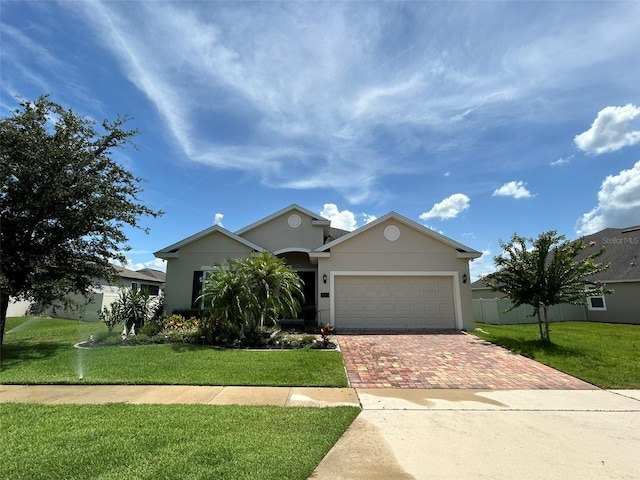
point(115, 441)
point(603, 354)
point(155, 442)
point(40, 351)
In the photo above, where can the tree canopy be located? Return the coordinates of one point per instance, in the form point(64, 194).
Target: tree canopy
point(544, 271)
point(64, 202)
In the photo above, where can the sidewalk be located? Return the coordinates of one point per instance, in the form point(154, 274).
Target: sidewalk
point(405, 434)
point(185, 394)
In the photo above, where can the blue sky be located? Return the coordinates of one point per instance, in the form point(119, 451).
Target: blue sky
point(476, 119)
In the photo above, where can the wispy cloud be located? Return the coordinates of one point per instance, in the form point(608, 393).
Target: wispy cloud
point(482, 266)
point(306, 96)
point(561, 161)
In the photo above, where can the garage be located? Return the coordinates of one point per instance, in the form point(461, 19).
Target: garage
point(394, 302)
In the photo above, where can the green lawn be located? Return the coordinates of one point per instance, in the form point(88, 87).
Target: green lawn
point(606, 355)
point(156, 442)
point(40, 351)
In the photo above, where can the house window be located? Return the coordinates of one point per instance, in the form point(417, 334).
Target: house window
point(596, 303)
point(154, 290)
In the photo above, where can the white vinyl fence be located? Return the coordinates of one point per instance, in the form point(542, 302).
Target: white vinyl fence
point(491, 310)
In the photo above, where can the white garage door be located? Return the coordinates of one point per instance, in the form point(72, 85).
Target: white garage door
point(393, 303)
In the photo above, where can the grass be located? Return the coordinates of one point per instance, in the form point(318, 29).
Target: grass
point(605, 355)
point(40, 351)
point(166, 441)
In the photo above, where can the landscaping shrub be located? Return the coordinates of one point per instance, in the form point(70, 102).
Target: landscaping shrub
point(247, 295)
point(188, 312)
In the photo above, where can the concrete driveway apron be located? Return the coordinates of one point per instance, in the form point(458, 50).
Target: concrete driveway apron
point(444, 361)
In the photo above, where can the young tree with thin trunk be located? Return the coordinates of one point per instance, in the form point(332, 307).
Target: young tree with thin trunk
point(543, 272)
point(64, 203)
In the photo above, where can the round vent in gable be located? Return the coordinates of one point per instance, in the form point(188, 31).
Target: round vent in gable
point(294, 220)
point(392, 233)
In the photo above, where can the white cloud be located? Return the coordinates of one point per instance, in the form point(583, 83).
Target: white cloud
point(450, 207)
point(156, 264)
point(315, 89)
point(344, 219)
point(561, 161)
point(618, 203)
point(610, 130)
point(482, 266)
point(368, 218)
point(430, 227)
point(217, 219)
point(515, 189)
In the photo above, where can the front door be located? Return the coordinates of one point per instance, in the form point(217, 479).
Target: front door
point(308, 310)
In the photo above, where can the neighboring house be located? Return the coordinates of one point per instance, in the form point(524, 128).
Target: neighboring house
point(622, 252)
point(390, 274)
point(102, 295)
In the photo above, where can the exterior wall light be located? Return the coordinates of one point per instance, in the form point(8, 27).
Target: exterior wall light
point(324, 278)
point(464, 278)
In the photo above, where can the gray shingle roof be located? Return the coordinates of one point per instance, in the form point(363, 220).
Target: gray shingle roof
point(622, 251)
point(156, 276)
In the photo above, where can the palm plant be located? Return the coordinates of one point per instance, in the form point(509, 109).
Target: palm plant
point(227, 296)
point(132, 308)
point(249, 293)
point(277, 288)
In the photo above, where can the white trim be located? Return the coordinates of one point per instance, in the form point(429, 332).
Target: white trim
point(457, 302)
point(460, 248)
point(292, 250)
point(172, 251)
point(294, 206)
point(314, 254)
point(597, 309)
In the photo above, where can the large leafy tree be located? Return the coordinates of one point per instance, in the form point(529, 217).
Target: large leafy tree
point(545, 271)
point(64, 202)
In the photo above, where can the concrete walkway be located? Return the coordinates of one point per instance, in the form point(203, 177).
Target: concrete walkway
point(504, 434)
point(429, 433)
point(179, 394)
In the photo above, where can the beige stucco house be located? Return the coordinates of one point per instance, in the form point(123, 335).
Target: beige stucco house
point(390, 274)
point(102, 294)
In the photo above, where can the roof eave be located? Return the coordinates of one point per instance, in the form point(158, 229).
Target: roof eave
point(294, 206)
point(469, 255)
point(172, 251)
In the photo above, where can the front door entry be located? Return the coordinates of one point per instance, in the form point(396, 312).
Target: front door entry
point(309, 290)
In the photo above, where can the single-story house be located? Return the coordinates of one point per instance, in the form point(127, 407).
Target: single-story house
point(102, 295)
point(390, 274)
point(622, 253)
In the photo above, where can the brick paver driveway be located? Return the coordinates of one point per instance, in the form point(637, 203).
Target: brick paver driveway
point(444, 360)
